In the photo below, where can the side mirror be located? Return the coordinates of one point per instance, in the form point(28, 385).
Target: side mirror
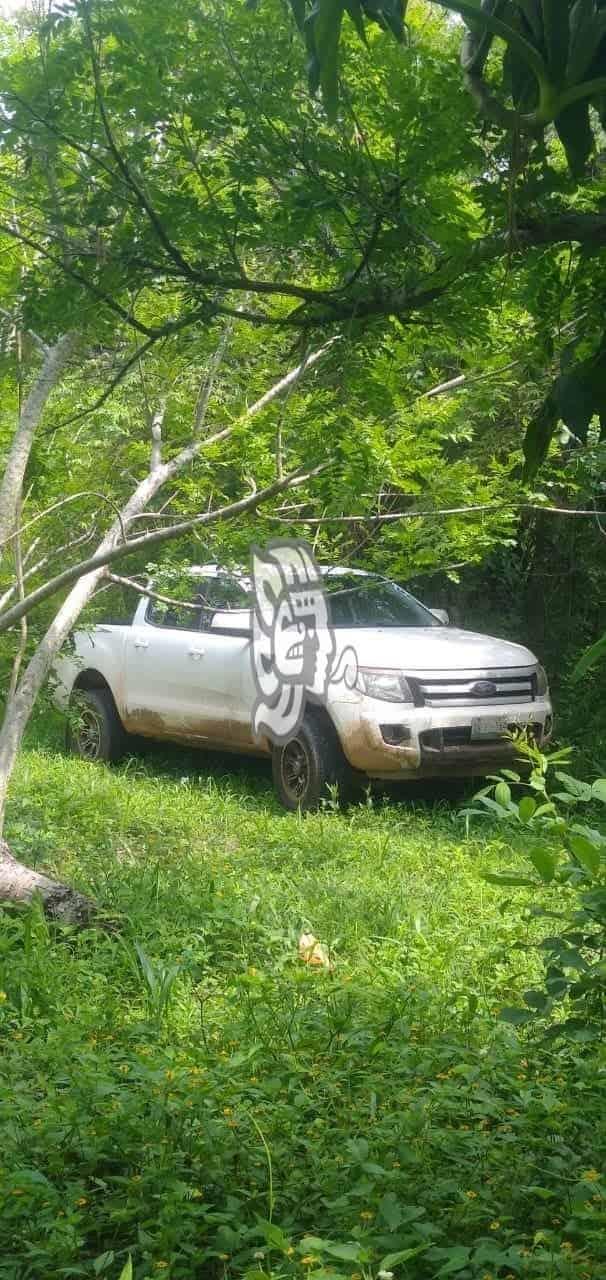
point(442, 615)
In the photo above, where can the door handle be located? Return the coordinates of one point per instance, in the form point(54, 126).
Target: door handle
point(196, 654)
point(141, 644)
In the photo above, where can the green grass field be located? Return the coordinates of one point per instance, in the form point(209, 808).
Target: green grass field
point(187, 1091)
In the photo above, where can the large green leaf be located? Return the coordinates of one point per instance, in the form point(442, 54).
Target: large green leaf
point(586, 852)
point(517, 1017)
point(539, 435)
point(531, 10)
point(596, 653)
point(587, 30)
point(323, 31)
point(574, 130)
point(544, 861)
point(556, 37)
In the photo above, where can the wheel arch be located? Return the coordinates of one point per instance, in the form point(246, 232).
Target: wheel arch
point(90, 678)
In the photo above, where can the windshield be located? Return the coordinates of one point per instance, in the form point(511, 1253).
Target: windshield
point(373, 602)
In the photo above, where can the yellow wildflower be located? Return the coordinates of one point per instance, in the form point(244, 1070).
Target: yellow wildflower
point(590, 1175)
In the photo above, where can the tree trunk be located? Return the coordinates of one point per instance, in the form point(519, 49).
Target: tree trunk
point(21, 705)
point(18, 883)
point(11, 484)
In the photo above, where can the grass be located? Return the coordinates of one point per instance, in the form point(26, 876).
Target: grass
point(189, 1093)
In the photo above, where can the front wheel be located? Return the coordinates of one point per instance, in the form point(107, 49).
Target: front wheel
point(94, 730)
point(312, 761)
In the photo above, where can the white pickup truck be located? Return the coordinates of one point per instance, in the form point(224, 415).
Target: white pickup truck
point(428, 699)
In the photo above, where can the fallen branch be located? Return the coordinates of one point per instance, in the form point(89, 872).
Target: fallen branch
point(20, 883)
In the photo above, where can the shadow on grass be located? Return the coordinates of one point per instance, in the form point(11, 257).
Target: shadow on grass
point(251, 775)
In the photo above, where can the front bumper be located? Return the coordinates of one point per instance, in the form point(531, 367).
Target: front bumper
point(385, 740)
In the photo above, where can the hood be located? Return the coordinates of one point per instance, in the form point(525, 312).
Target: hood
point(432, 649)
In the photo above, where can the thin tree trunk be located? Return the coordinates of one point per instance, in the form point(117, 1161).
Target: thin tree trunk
point(16, 881)
point(11, 484)
point(20, 707)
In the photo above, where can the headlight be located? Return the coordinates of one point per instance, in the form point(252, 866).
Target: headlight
point(542, 682)
point(387, 686)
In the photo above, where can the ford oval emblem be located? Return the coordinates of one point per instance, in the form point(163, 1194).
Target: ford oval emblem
point(483, 689)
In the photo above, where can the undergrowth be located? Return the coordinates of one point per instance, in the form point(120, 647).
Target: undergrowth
point(188, 1092)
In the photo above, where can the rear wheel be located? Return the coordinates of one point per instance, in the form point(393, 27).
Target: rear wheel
point(312, 761)
point(94, 731)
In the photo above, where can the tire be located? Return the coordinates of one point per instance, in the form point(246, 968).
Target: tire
point(309, 763)
point(94, 730)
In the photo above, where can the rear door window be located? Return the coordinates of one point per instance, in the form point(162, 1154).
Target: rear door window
point(177, 605)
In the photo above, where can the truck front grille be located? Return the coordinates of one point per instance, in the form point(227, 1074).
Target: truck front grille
point(473, 689)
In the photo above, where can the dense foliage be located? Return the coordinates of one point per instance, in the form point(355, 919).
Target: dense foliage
point(183, 1089)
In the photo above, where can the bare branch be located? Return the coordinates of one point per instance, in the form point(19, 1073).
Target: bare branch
point(155, 538)
point(42, 346)
point(64, 502)
point(208, 382)
point(156, 436)
point(435, 511)
point(148, 592)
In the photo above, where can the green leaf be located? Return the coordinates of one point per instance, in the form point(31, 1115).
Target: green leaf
point(574, 130)
point(517, 1017)
point(102, 1261)
point(532, 12)
point(324, 24)
point(556, 37)
point(502, 794)
point(127, 1270)
point(403, 1255)
point(390, 1210)
point(274, 1236)
point(298, 10)
point(592, 655)
point(587, 29)
point(544, 861)
point(510, 878)
point(573, 390)
point(586, 852)
point(536, 1000)
point(393, 14)
point(598, 789)
point(354, 9)
point(527, 808)
point(580, 790)
point(351, 1251)
point(457, 1258)
point(539, 434)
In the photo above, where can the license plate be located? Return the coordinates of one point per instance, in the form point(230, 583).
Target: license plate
point(489, 727)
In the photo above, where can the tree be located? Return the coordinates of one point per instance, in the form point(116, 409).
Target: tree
point(145, 201)
point(553, 69)
point(17, 881)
